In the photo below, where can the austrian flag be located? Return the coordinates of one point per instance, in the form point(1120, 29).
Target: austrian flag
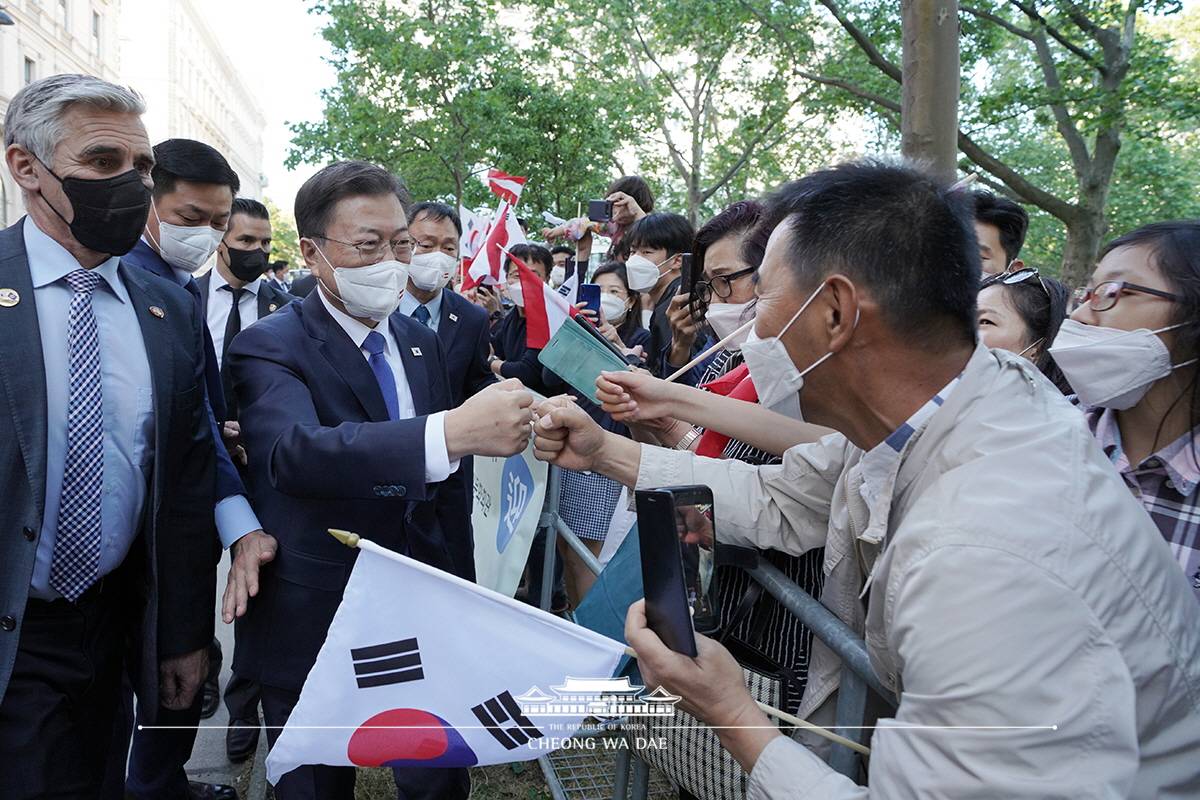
point(545, 309)
point(505, 186)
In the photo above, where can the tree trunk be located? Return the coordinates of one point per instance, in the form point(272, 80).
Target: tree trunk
point(929, 116)
point(1085, 234)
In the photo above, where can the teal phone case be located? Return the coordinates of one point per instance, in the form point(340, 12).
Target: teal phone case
point(575, 356)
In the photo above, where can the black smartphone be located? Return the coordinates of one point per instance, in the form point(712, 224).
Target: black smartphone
point(678, 567)
point(589, 295)
point(600, 210)
point(685, 272)
point(597, 335)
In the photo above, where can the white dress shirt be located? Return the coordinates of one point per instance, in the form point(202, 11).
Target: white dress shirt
point(220, 300)
point(438, 465)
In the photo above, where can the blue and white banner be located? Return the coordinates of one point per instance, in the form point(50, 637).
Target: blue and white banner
point(509, 493)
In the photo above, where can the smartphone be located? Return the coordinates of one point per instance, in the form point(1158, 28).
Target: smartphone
point(598, 336)
point(589, 295)
point(685, 273)
point(678, 569)
point(600, 210)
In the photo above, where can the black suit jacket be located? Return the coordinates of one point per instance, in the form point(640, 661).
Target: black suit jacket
point(177, 537)
point(303, 286)
point(333, 461)
point(466, 340)
point(270, 297)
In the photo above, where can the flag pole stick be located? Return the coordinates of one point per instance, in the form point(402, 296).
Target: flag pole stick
point(742, 329)
point(791, 719)
point(354, 540)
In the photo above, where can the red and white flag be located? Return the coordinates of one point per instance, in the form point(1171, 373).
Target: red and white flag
point(503, 232)
point(545, 309)
point(474, 228)
point(505, 186)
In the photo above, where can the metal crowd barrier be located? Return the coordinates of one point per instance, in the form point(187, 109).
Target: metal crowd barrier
point(856, 678)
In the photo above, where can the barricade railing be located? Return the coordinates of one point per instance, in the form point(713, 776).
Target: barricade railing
point(856, 677)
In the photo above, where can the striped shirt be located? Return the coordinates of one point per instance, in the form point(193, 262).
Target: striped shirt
point(1166, 483)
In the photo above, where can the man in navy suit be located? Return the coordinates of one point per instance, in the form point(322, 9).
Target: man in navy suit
point(369, 442)
point(194, 187)
point(462, 328)
point(106, 450)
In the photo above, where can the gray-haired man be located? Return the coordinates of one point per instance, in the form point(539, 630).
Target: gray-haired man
point(106, 451)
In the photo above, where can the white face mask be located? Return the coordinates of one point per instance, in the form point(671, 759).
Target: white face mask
point(371, 292)
point(614, 308)
point(516, 294)
point(431, 271)
point(185, 248)
point(557, 276)
point(725, 318)
point(1112, 368)
point(643, 273)
point(775, 377)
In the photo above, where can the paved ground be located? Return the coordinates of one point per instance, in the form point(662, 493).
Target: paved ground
point(208, 755)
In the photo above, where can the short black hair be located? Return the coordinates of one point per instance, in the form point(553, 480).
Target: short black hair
point(661, 230)
point(530, 253)
point(435, 211)
point(321, 193)
point(636, 187)
point(562, 248)
point(1005, 216)
point(896, 231)
point(249, 207)
point(188, 160)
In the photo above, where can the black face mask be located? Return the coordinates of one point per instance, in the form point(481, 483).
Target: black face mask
point(246, 265)
point(110, 213)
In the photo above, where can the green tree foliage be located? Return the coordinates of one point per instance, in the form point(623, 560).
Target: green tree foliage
point(285, 242)
point(439, 91)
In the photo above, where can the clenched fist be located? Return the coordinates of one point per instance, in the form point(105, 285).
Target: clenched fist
point(494, 422)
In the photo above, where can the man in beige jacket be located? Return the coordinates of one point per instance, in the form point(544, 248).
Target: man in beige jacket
point(1008, 581)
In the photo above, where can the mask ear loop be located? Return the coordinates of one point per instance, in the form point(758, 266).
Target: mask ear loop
point(154, 208)
point(1030, 347)
point(331, 267)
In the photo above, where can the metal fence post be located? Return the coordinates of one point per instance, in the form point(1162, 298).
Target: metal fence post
point(548, 523)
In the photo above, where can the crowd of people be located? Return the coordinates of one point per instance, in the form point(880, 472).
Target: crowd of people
point(991, 478)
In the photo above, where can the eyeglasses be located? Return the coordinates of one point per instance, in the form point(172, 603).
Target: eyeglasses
point(1105, 295)
point(371, 250)
point(1015, 277)
point(721, 285)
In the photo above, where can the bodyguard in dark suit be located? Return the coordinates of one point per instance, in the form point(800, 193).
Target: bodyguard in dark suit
point(303, 286)
point(237, 292)
point(194, 187)
point(462, 328)
point(106, 451)
point(368, 443)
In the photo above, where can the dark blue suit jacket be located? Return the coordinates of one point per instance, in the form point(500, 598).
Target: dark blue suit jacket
point(332, 459)
point(466, 340)
point(176, 534)
point(229, 482)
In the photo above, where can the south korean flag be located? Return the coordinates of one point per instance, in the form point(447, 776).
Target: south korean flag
point(421, 668)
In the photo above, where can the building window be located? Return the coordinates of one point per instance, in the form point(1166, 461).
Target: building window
point(96, 31)
point(30, 70)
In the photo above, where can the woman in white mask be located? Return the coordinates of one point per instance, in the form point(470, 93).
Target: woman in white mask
point(1129, 351)
point(511, 357)
point(1021, 311)
point(621, 324)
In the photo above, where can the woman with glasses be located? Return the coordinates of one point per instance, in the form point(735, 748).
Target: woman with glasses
point(1021, 311)
point(1129, 351)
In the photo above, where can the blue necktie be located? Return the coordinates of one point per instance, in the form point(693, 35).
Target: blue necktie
point(421, 315)
point(76, 562)
point(383, 373)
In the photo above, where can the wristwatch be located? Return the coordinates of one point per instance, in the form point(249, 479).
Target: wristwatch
point(686, 442)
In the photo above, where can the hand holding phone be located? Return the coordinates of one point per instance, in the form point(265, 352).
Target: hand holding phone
point(589, 295)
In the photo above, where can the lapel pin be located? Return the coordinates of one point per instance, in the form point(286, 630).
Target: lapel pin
point(271, 308)
point(454, 317)
point(9, 298)
point(416, 351)
point(158, 312)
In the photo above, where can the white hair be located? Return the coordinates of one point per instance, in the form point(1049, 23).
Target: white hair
point(35, 115)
